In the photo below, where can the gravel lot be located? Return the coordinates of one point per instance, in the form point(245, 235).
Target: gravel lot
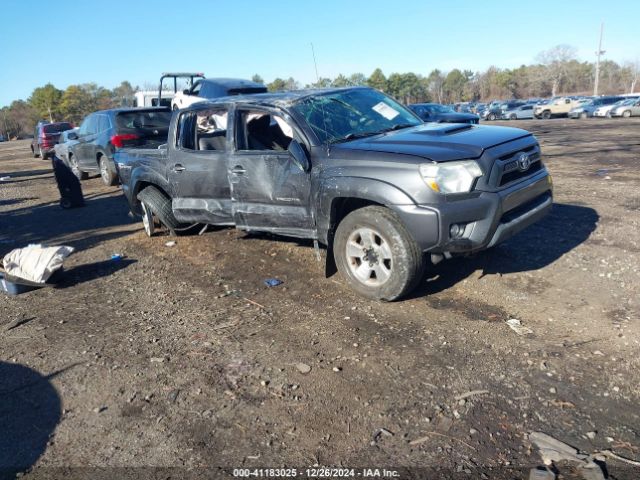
point(181, 357)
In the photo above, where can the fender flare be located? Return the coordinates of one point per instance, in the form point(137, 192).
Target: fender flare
point(332, 188)
point(140, 177)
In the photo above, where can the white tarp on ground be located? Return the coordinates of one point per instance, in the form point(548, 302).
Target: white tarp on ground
point(35, 262)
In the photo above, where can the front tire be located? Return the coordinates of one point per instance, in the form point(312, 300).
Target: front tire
point(491, 117)
point(376, 254)
point(546, 115)
point(513, 117)
point(107, 174)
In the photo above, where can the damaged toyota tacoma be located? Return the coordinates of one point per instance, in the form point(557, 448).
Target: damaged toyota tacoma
point(349, 168)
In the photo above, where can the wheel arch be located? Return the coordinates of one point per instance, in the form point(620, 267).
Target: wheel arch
point(339, 196)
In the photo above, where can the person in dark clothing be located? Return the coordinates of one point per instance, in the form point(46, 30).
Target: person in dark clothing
point(68, 184)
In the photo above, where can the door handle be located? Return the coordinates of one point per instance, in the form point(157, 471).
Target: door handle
point(179, 168)
point(238, 170)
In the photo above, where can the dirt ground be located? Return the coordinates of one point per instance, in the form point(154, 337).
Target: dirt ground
point(180, 356)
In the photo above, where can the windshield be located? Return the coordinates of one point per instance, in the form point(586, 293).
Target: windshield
point(57, 127)
point(440, 109)
point(144, 119)
point(347, 114)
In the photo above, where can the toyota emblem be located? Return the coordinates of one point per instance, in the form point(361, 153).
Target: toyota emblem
point(524, 162)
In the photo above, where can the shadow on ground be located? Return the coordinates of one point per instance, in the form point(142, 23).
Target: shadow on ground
point(92, 271)
point(30, 409)
point(79, 227)
point(566, 227)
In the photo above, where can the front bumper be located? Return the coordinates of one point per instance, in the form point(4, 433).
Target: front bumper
point(483, 219)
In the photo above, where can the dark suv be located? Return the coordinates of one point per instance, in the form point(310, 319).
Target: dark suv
point(46, 136)
point(101, 133)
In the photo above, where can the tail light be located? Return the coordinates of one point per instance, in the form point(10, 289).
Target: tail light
point(118, 140)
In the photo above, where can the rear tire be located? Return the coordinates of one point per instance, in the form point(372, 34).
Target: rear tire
point(107, 174)
point(376, 254)
point(148, 220)
point(76, 169)
point(33, 152)
point(159, 205)
point(626, 113)
point(43, 155)
point(491, 117)
point(513, 117)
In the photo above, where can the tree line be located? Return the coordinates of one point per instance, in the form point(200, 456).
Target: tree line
point(555, 71)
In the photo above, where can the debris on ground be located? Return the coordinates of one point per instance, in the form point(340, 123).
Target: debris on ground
point(35, 263)
point(116, 257)
point(173, 395)
point(273, 282)
point(170, 244)
point(541, 474)
point(5, 179)
point(380, 433)
point(516, 326)
point(553, 451)
point(303, 368)
point(470, 394)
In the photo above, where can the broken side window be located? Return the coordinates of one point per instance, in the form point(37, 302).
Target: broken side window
point(263, 131)
point(211, 129)
point(185, 138)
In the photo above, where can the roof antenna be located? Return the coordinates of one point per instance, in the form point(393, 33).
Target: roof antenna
point(324, 117)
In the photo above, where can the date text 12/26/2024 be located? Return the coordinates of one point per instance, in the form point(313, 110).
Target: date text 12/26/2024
point(317, 472)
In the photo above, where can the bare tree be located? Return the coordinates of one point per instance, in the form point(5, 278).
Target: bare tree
point(633, 74)
point(555, 61)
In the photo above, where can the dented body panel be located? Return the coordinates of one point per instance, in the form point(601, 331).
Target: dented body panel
point(271, 190)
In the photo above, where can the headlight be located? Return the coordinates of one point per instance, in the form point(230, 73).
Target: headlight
point(451, 177)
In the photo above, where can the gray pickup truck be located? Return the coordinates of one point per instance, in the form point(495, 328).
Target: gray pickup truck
point(350, 168)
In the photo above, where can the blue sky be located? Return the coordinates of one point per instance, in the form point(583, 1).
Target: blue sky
point(69, 42)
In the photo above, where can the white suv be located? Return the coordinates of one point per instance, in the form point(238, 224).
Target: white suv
point(211, 88)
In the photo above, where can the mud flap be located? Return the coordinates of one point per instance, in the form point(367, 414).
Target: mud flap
point(330, 267)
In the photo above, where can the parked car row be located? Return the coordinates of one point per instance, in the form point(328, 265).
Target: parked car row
point(45, 137)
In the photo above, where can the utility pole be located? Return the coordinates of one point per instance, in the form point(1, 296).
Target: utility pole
point(598, 54)
point(6, 129)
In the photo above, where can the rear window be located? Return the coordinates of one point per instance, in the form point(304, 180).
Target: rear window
point(241, 91)
point(57, 127)
point(143, 120)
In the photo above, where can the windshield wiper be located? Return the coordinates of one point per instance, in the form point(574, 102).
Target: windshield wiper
point(398, 127)
point(353, 136)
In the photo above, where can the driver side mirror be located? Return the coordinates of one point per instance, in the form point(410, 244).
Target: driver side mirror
point(72, 136)
point(299, 156)
point(185, 91)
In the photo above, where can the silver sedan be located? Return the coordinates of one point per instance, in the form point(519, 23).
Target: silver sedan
point(61, 148)
point(628, 108)
point(518, 113)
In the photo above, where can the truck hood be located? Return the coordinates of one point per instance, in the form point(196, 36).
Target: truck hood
point(437, 142)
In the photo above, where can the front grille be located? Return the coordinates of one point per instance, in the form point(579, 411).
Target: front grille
point(510, 171)
point(513, 174)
